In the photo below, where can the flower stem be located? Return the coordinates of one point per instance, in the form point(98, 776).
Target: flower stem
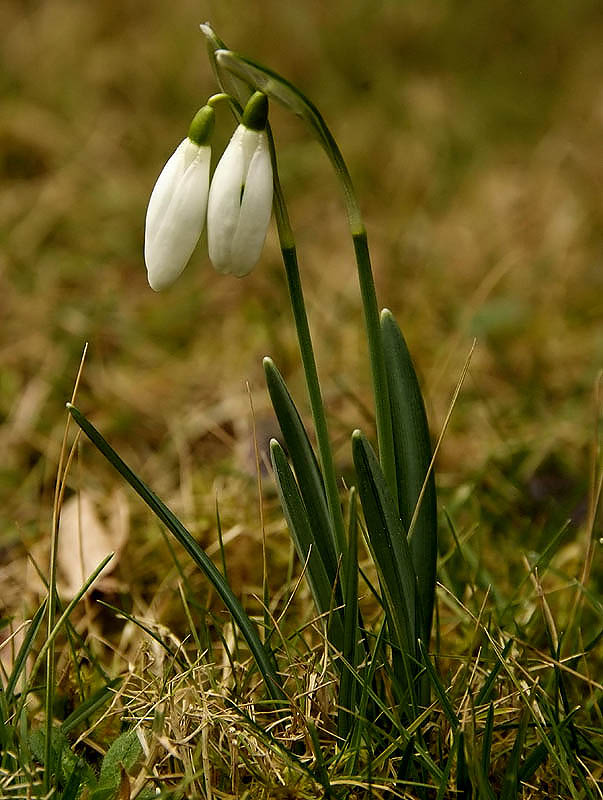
point(278, 88)
point(289, 253)
point(304, 338)
point(370, 306)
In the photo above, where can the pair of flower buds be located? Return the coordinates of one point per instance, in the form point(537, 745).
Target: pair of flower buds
point(237, 205)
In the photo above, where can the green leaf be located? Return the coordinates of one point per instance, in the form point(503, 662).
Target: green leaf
point(447, 769)
point(387, 541)
point(412, 447)
point(124, 753)
point(439, 688)
point(486, 690)
point(464, 789)
point(487, 743)
point(262, 657)
point(304, 538)
point(321, 772)
point(539, 754)
point(348, 686)
point(63, 760)
point(306, 467)
point(73, 786)
point(24, 650)
point(89, 706)
point(510, 786)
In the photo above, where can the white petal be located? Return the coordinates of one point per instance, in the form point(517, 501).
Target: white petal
point(179, 229)
point(163, 190)
point(256, 208)
point(225, 200)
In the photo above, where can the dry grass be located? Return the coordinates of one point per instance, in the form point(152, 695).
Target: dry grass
point(473, 135)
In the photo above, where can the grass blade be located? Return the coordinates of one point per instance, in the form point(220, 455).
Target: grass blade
point(348, 686)
point(510, 787)
point(321, 772)
point(413, 451)
point(21, 658)
point(487, 743)
point(486, 690)
point(464, 789)
point(92, 704)
point(57, 627)
point(262, 657)
point(447, 769)
point(439, 688)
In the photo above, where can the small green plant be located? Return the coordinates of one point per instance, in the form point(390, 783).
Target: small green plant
point(396, 489)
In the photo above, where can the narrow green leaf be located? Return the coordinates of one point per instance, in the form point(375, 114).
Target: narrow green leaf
point(58, 625)
point(447, 770)
point(510, 786)
point(464, 790)
point(413, 451)
point(89, 706)
point(439, 688)
point(306, 467)
point(387, 541)
point(539, 754)
point(405, 761)
point(484, 693)
point(348, 685)
point(262, 657)
point(487, 743)
point(321, 772)
point(368, 679)
point(24, 650)
point(304, 539)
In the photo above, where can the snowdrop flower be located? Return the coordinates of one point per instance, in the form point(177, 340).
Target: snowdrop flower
point(240, 196)
point(176, 211)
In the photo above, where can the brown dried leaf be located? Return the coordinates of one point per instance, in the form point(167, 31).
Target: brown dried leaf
point(84, 540)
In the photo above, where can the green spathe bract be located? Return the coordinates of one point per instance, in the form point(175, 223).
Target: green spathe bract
point(202, 126)
point(255, 114)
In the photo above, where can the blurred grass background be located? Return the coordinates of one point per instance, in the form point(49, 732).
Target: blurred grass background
point(473, 132)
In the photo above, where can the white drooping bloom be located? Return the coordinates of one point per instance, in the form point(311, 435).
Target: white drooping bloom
point(240, 198)
point(178, 204)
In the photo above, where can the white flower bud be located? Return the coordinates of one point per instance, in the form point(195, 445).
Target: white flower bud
point(240, 196)
point(177, 206)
